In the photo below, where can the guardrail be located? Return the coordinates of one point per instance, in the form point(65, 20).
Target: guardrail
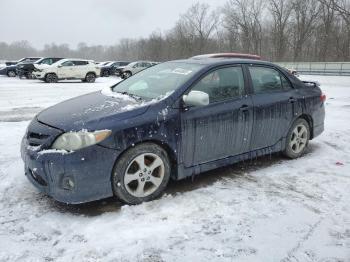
point(318, 68)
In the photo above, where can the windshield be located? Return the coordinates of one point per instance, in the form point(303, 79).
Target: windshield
point(157, 81)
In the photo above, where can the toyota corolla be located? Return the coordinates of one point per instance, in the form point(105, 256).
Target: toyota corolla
point(171, 121)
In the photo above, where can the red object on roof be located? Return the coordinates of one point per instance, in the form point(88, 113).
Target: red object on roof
point(227, 55)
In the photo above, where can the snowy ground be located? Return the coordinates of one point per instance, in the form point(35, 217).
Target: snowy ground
point(271, 209)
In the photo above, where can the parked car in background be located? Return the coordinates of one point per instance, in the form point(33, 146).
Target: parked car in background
point(11, 70)
point(227, 55)
point(111, 67)
point(135, 67)
point(102, 63)
point(173, 120)
point(119, 70)
point(25, 59)
point(293, 72)
point(26, 68)
point(86, 70)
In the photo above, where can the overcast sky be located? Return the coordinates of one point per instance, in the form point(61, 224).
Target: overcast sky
point(91, 21)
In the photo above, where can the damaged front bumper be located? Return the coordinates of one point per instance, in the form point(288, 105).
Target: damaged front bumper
point(69, 177)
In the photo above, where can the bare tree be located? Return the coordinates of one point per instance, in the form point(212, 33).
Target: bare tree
point(305, 14)
point(326, 17)
point(200, 23)
point(281, 12)
point(244, 17)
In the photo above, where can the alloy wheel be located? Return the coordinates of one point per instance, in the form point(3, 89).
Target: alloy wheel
point(298, 139)
point(144, 175)
point(90, 78)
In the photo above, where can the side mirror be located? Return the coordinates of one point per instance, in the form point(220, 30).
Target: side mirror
point(196, 98)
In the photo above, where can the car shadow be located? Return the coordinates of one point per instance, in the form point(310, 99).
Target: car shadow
point(235, 171)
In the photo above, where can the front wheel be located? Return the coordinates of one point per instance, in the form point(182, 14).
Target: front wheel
point(51, 78)
point(141, 174)
point(297, 139)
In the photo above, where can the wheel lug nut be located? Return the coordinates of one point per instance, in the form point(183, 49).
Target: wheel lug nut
point(148, 178)
point(142, 179)
point(140, 175)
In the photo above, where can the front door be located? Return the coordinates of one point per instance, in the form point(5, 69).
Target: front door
point(66, 70)
point(222, 128)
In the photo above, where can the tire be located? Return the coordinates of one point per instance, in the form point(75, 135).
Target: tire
point(297, 139)
point(28, 76)
point(127, 74)
point(51, 78)
point(90, 77)
point(134, 181)
point(11, 73)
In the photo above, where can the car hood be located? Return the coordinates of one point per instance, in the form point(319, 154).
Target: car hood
point(92, 111)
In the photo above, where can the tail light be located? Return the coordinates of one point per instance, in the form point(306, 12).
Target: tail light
point(323, 97)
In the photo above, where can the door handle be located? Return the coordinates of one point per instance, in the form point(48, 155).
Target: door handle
point(292, 100)
point(244, 108)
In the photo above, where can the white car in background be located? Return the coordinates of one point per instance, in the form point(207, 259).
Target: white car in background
point(86, 70)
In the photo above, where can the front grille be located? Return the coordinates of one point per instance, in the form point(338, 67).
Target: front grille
point(40, 135)
point(35, 139)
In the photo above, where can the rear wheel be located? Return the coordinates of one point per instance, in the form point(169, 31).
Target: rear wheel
point(28, 75)
point(297, 139)
point(11, 73)
point(51, 78)
point(141, 174)
point(90, 77)
point(127, 74)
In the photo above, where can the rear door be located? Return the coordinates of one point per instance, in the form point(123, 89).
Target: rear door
point(81, 68)
point(222, 128)
point(274, 105)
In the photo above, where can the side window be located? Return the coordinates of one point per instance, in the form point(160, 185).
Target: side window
point(68, 63)
point(266, 79)
point(47, 61)
point(285, 83)
point(80, 63)
point(222, 84)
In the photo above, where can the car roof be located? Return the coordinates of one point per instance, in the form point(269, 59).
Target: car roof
point(78, 59)
point(227, 55)
point(222, 61)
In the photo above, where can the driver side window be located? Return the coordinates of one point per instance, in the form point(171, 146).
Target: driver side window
point(222, 84)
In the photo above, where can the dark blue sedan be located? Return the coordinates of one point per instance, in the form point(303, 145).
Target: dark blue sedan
point(174, 120)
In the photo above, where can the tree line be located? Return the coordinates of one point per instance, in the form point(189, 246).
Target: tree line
point(278, 30)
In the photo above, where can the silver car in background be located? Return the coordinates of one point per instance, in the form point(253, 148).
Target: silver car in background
point(136, 67)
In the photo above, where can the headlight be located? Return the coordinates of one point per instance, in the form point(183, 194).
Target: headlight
point(76, 140)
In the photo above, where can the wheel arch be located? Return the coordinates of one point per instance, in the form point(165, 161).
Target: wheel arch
point(91, 72)
point(309, 120)
point(54, 73)
point(170, 152)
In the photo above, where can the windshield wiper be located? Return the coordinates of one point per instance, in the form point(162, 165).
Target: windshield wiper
point(131, 95)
